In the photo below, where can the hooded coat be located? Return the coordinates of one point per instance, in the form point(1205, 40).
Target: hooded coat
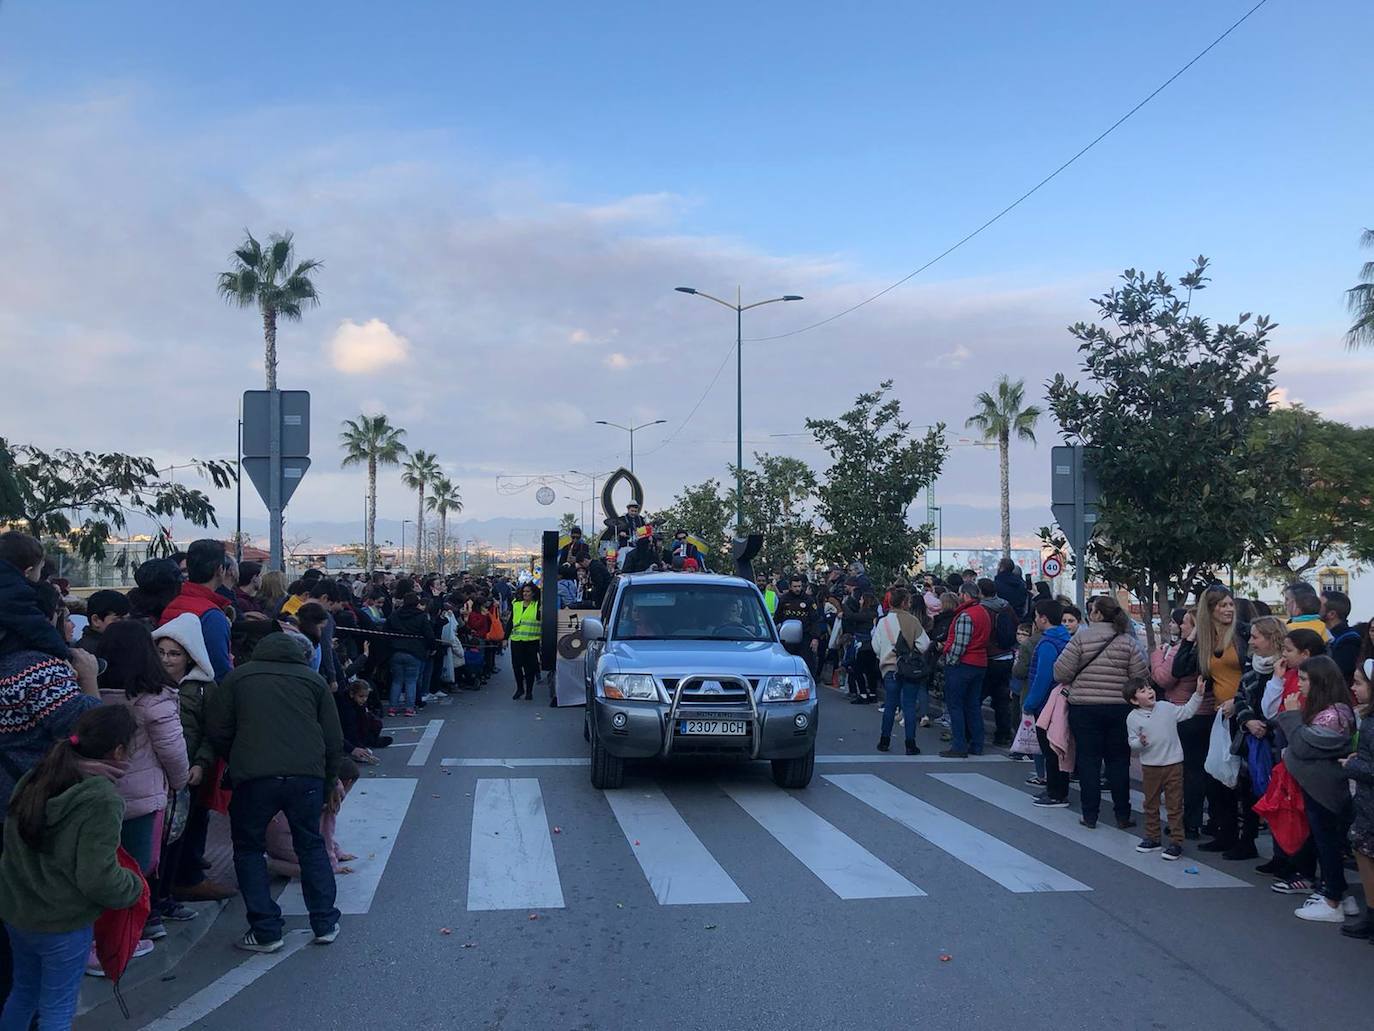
point(195, 685)
point(158, 761)
point(274, 716)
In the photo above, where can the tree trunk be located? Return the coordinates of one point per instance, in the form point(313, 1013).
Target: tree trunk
point(1003, 448)
point(269, 336)
point(371, 542)
point(420, 530)
point(443, 539)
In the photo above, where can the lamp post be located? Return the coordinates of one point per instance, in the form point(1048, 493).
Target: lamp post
point(592, 477)
point(739, 309)
point(631, 430)
point(403, 539)
point(581, 504)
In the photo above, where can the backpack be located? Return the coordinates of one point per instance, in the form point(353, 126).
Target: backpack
point(1341, 639)
point(1004, 629)
point(911, 664)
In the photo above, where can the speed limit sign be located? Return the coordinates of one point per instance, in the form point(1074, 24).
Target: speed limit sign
point(1053, 566)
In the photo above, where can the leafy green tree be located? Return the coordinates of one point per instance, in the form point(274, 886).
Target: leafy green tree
point(419, 471)
point(84, 497)
point(777, 492)
point(273, 281)
point(1360, 300)
point(1174, 407)
point(566, 522)
point(877, 470)
point(1326, 491)
point(1000, 416)
point(702, 510)
point(371, 440)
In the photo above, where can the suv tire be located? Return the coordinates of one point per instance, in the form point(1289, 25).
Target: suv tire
point(608, 771)
point(793, 773)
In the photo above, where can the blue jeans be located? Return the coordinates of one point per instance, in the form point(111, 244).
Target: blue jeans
point(254, 804)
point(405, 678)
point(964, 701)
point(914, 695)
point(47, 978)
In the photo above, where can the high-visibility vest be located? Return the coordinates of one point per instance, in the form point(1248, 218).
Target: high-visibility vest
point(770, 599)
point(525, 622)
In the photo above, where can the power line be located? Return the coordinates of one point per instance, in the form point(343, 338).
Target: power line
point(683, 425)
point(1025, 196)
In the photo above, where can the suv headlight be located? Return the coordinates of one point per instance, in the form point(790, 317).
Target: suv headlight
point(796, 688)
point(629, 686)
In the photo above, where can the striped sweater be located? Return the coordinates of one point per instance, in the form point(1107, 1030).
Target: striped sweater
point(40, 702)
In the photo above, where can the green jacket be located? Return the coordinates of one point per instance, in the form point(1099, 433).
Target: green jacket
point(192, 695)
point(274, 717)
point(74, 877)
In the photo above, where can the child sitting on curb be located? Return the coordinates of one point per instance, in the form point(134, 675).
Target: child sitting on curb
point(281, 852)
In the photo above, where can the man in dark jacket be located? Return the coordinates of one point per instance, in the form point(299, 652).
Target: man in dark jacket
point(1011, 587)
point(206, 564)
point(1344, 645)
point(797, 603)
point(276, 721)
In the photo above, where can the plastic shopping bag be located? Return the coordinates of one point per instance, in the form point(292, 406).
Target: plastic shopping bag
point(1259, 760)
point(1026, 742)
point(1220, 763)
point(1283, 808)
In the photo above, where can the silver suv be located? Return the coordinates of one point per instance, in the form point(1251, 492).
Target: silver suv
point(682, 664)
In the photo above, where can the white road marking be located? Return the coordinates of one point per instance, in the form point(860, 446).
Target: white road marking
point(1137, 797)
point(678, 866)
point(511, 865)
point(218, 992)
point(426, 744)
point(1106, 841)
point(513, 764)
point(846, 867)
point(367, 826)
point(418, 726)
point(992, 857)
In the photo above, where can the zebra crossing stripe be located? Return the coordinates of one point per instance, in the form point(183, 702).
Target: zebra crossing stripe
point(1105, 841)
point(846, 867)
point(677, 865)
point(511, 865)
point(991, 857)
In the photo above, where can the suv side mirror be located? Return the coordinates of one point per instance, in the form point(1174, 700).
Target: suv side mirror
point(790, 631)
point(592, 629)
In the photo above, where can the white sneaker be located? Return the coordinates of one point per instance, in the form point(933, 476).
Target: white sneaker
point(1349, 906)
point(925, 721)
point(1318, 911)
point(328, 937)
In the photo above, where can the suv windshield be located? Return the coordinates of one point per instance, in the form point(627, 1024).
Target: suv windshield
point(691, 611)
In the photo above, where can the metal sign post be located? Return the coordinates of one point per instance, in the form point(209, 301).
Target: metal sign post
point(1074, 497)
point(276, 449)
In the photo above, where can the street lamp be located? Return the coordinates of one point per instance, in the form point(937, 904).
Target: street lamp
point(739, 310)
point(631, 430)
point(592, 477)
point(581, 503)
point(403, 539)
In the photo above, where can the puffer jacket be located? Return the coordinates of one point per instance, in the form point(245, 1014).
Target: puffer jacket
point(1097, 663)
point(185, 631)
point(1360, 769)
point(158, 761)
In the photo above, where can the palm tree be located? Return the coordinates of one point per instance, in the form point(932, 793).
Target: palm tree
point(997, 418)
point(271, 280)
point(371, 439)
point(419, 471)
point(1360, 300)
point(443, 499)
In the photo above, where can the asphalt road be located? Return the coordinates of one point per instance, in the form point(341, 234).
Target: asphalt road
point(987, 915)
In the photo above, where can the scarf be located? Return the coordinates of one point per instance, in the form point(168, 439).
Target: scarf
point(1263, 664)
point(111, 769)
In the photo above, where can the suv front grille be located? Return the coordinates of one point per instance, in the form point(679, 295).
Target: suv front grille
point(729, 692)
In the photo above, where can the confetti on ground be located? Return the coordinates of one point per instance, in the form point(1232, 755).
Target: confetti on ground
point(620, 905)
point(636, 841)
point(710, 927)
point(469, 945)
point(945, 957)
point(534, 916)
point(433, 796)
point(446, 930)
point(558, 830)
point(1190, 869)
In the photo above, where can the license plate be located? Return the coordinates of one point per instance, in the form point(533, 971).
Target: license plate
point(717, 727)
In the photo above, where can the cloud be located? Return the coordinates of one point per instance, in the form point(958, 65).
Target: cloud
point(616, 360)
point(357, 350)
point(952, 359)
point(579, 336)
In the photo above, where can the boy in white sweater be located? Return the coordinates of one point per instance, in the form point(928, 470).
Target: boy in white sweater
point(1152, 729)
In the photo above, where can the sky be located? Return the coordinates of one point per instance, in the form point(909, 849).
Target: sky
point(504, 197)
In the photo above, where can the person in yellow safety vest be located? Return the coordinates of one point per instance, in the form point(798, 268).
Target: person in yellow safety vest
point(525, 630)
point(770, 596)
